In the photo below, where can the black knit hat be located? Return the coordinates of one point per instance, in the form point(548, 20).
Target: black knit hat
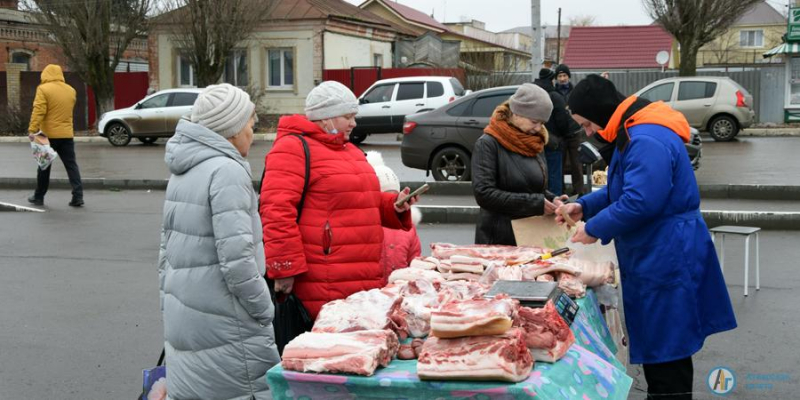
point(595, 99)
point(563, 68)
point(546, 74)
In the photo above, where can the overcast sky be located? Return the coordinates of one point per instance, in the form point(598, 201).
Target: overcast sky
point(500, 15)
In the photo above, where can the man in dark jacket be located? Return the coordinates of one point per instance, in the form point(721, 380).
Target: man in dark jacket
point(561, 127)
point(571, 144)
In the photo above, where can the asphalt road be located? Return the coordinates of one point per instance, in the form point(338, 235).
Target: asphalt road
point(750, 160)
point(80, 313)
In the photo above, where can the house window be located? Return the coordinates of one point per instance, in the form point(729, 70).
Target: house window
point(280, 68)
point(21, 58)
point(753, 38)
point(377, 60)
point(236, 69)
point(794, 81)
point(186, 74)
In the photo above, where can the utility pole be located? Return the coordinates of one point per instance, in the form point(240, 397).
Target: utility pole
point(558, 46)
point(536, 31)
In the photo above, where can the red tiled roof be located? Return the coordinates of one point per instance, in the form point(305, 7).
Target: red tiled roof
point(415, 15)
point(321, 9)
point(616, 46)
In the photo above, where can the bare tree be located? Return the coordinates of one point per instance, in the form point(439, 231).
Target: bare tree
point(694, 23)
point(582, 20)
point(93, 35)
point(487, 69)
point(206, 31)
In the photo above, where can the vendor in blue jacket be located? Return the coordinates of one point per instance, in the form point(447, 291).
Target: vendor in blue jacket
point(673, 289)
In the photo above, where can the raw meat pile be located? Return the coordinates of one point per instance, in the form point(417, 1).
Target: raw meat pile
point(361, 311)
point(546, 334)
point(357, 353)
point(503, 357)
point(441, 297)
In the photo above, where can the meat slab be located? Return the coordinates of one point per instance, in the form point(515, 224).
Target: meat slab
point(357, 353)
point(547, 335)
point(502, 357)
point(509, 254)
point(365, 310)
point(473, 317)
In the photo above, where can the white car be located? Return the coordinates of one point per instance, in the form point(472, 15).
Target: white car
point(153, 117)
point(384, 106)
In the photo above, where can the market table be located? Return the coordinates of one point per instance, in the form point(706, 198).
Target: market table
point(588, 371)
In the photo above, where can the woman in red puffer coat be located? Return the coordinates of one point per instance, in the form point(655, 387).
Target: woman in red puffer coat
point(334, 250)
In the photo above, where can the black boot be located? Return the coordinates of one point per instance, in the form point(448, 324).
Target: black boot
point(76, 202)
point(35, 201)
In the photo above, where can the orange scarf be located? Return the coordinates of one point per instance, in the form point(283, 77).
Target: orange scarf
point(510, 137)
point(657, 113)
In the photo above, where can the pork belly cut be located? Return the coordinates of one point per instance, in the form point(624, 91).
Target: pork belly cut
point(412, 274)
point(419, 299)
point(357, 353)
point(547, 335)
point(570, 284)
point(473, 317)
point(503, 357)
point(508, 254)
point(361, 311)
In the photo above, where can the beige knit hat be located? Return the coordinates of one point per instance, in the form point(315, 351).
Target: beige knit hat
point(386, 176)
point(224, 109)
point(532, 102)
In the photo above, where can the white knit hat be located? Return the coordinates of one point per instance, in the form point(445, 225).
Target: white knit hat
point(386, 176)
point(330, 99)
point(224, 109)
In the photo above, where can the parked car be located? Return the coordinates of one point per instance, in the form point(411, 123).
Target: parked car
point(718, 105)
point(153, 117)
point(384, 106)
point(441, 141)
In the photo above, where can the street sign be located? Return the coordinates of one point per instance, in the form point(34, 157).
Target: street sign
point(793, 28)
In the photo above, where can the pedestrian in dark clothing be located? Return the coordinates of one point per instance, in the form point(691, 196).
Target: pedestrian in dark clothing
point(563, 85)
point(560, 127)
point(509, 173)
point(572, 143)
point(52, 115)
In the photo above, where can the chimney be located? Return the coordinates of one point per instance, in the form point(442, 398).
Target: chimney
point(12, 4)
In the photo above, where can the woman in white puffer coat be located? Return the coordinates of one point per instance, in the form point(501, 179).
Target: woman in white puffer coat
point(217, 310)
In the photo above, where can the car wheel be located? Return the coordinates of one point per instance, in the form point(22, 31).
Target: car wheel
point(723, 128)
point(451, 164)
point(357, 138)
point(147, 139)
point(118, 135)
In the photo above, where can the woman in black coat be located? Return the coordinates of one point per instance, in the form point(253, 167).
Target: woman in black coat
point(509, 171)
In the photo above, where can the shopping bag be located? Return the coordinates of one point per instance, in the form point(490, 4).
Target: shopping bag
point(154, 381)
point(42, 152)
point(291, 319)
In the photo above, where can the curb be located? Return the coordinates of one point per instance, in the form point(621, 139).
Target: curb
point(713, 191)
point(770, 132)
point(764, 220)
point(14, 207)
point(269, 137)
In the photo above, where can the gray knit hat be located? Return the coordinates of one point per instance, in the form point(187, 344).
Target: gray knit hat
point(330, 99)
point(224, 109)
point(532, 102)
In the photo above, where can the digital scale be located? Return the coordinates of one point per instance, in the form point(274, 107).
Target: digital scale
point(536, 295)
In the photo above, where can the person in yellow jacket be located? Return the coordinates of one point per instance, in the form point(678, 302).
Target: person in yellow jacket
point(52, 115)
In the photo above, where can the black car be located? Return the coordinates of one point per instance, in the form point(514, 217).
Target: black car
point(441, 141)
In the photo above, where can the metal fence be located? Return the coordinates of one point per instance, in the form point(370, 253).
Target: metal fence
point(765, 84)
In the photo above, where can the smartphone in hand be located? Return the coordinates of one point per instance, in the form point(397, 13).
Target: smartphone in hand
point(420, 190)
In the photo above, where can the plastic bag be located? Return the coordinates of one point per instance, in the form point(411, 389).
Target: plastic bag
point(291, 319)
point(42, 152)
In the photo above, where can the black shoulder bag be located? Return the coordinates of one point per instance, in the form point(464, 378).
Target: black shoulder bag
point(291, 317)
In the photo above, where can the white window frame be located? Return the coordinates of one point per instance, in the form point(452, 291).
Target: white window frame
point(283, 84)
point(757, 34)
point(236, 79)
point(179, 73)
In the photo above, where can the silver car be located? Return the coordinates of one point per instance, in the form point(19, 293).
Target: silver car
point(153, 117)
point(717, 105)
